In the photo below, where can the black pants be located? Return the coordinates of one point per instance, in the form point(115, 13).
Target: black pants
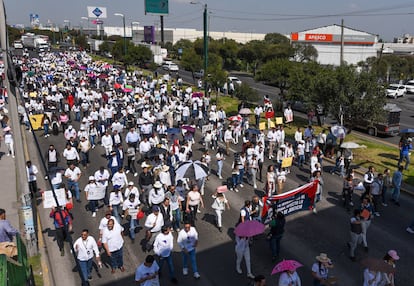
point(61, 233)
point(33, 187)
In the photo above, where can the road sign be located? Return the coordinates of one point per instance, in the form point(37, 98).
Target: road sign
point(97, 22)
point(156, 7)
point(96, 12)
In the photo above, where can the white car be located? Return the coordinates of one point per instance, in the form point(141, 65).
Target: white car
point(170, 66)
point(409, 85)
point(234, 79)
point(396, 90)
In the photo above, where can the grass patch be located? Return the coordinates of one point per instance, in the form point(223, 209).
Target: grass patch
point(228, 103)
point(34, 261)
point(381, 156)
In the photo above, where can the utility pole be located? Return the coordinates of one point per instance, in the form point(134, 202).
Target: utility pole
point(342, 43)
point(162, 29)
point(205, 22)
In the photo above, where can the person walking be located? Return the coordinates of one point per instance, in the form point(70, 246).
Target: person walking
point(85, 246)
point(347, 192)
point(193, 200)
point(163, 246)
point(153, 224)
point(91, 187)
point(388, 279)
point(277, 229)
point(405, 147)
point(242, 249)
point(73, 175)
point(289, 278)
point(115, 203)
point(386, 186)
point(371, 277)
point(187, 240)
point(320, 269)
point(113, 244)
point(8, 140)
point(147, 273)
point(356, 233)
point(376, 190)
point(220, 161)
point(366, 213)
point(397, 178)
point(7, 231)
point(219, 205)
point(31, 172)
point(130, 207)
point(63, 224)
point(52, 157)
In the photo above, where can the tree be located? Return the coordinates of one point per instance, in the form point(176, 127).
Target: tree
point(104, 47)
point(305, 53)
point(138, 55)
point(81, 42)
point(253, 53)
point(276, 38)
point(245, 93)
point(276, 72)
point(228, 52)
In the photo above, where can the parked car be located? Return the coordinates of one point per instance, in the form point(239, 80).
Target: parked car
point(396, 90)
point(170, 66)
point(409, 85)
point(199, 74)
point(234, 79)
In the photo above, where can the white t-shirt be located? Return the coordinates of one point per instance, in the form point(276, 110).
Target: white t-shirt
point(287, 279)
point(320, 273)
point(144, 271)
point(113, 237)
point(163, 244)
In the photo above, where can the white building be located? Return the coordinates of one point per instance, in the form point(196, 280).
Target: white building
point(358, 45)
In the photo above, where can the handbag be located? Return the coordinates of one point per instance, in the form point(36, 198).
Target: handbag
point(140, 214)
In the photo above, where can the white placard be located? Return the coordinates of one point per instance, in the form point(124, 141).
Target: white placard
point(133, 212)
point(206, 128)
point(49, 200)
point(96, 192)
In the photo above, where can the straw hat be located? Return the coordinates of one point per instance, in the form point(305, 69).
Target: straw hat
point(323, 257)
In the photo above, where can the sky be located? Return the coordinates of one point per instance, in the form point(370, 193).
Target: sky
point(388, 19)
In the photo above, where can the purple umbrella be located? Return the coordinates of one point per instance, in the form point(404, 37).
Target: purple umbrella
point(249, 228)
point(188, 128)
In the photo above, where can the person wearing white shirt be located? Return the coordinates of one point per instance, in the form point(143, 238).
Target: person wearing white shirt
point(131, 189)
point(163, 246)
point(257, 113)
point(113, 244)
point(272, 138)
point(153, 224)
point(115, 203)
point(144, 147)
point(70, 154)
point(31, 171)
point(242, 249)
point(85, 246)
point(289, 278)
point(131, 207)
point(147, 273)
point(73, 175)
point(228, 138)
point(107, 142)
point(119, 178)
point(103, 224)
point(187, 240)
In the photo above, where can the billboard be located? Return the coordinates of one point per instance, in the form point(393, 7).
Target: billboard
point(97, 12)
point(34, 20)
point(156, 7)
point(149, 34)
point(333, 38)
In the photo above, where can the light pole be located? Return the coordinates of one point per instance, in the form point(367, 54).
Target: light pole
point(205, 41)
point(123, 21)
point(87, 19)
point(132, 29)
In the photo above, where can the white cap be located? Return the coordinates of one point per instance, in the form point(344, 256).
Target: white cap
point(130, 183)
point(91, 178)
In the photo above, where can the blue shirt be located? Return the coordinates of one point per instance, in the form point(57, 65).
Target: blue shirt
point(132, 137)
point(397, 179)
point(7, 231)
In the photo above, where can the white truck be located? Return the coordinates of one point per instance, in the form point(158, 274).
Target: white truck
point(35, 43)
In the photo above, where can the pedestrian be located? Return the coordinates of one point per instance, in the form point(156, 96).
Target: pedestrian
point(130, 208)
point(256, 207)
point(31, 172)
point(405, 147)
point(8, 140)
point(188, 240)
point(347, 192)
point(219, 205)
point(153, 225)
point(318, 196)
point(102, 177)
point(131, 189)
point(147, 273)
point(220, 161)
point(397, 178)
point(52, 157)
point(71, 155)
point(145, 181)
point(259, 280)
point(289, 278)
point(228, 139)
point(371, 277)
point(156, 195)
point(113, 244)
point(242, 250)
point(163, 246)
point(131, 161)
point(356, 233)
point(63, 224)
point(93, 203)
point(193, 201)
point(277, 229)
point(320, 269)
point(386, 186)
point(119, 178)
point(368, 179)
point(376, 190)
point(366, 213)
point(85, 246)
point(253, 168)
point(176, 201)
point(73, 175)
point(84, 147)
point(410, 228)
point(115, 203)
point(391, 257)
point(165, 209)
point(7, 231)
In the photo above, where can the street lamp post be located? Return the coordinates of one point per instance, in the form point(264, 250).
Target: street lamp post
point(123, 21)
point(205, 41)
point(132, 29)
point(86, 19)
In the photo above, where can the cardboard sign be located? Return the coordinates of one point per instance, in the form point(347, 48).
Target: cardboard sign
point(96, 192)
point(206, 128)
point(279, 120)
point(287, 162)
point(133, 212)
point(262, 125)
point(49, 200)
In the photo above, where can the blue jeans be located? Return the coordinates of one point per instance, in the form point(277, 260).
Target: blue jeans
point(169, 263)
point(116, 212)
point(234, 178)
point(192, 255)
point(134, 223)
point(75, 186)
point(176, 218)
point(92, 139)
point(220, 167)
point(241, 175)
point(396, 193)
point(85, 268)
point(275, 245)
point(301, 160)
point(77, 116)
point(407, 160)
point(46, 129)
point(117, 259)
point(84, 158)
